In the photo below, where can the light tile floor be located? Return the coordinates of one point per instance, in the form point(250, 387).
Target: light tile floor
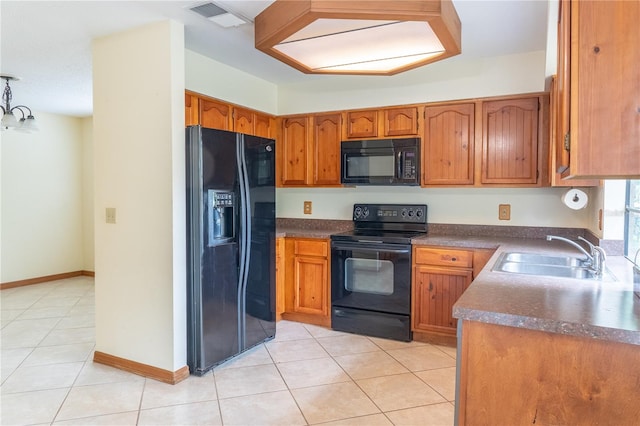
point(307, 375)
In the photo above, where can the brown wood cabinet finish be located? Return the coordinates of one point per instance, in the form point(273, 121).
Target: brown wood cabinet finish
point(280, 277)
point(510, 141)
point(293, 151)
point(191, 110)
point(327, 131)
point(307, 281)
point(215, 115)
point(435, 291)
point(440, 276)
point(361, 124)
point(251, 122)
point(400, 121)
point(605, 89)
point(448, 145)
point(515, 376)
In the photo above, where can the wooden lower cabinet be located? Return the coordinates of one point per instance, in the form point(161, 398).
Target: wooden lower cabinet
point(307, 281)
point(440, 276)
point(515, 376)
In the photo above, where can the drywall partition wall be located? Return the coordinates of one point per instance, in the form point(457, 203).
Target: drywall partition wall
point(453, 78)
point(87, 182)
point(42, 199)
point(471, 206)
point(138, 134)
point(208, 77)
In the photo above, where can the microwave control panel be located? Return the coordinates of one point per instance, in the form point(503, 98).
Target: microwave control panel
point(409, 166)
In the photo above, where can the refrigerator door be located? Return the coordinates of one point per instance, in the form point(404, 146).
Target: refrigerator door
point(212, 270)
point(259, 299)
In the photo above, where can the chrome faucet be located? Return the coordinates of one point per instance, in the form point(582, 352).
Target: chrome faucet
point(596, 255)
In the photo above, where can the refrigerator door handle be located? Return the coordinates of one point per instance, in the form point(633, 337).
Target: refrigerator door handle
point(246, 219)
point(242, 249)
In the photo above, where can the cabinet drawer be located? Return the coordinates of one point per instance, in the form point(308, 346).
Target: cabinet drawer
point(311, 248)
point(444, 257)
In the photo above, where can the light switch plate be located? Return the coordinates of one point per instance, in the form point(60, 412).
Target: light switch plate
point(110, 215)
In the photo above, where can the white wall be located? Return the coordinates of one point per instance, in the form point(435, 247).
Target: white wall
point(452, 78)
point(138, 134)
point(473, 206)
point(215, 79)
point(86, 128)
point(42, 199)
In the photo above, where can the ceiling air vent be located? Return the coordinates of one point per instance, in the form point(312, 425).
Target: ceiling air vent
point(220, 16)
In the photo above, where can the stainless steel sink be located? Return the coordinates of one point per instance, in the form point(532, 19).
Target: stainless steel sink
point(543, 259)
point(548, 265)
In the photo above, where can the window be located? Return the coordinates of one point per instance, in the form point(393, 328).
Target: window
point(632, 219)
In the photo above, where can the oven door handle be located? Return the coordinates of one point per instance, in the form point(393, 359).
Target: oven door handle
point(381, 248)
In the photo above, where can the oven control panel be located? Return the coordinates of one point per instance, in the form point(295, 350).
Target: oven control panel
point(412, 213)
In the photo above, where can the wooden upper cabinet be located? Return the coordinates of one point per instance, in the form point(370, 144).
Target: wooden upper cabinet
point(448, 145)
point(381, 123)
point(400, 121)
point(510, 141)
point(361, 124)
point(561, 87)
point(215, 115)
point(243, 121)
point(293, 151)
point(263, 125)
point(327, 130)
point(251, 122)
point(605, 89)
point(191, 110)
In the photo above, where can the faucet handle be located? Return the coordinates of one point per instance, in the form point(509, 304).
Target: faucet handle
point(592, 247)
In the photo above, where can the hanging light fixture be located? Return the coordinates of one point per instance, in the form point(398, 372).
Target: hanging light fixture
point(26, 122)
point(358, 37)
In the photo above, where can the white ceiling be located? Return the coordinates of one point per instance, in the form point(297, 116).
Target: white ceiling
point(48, 43)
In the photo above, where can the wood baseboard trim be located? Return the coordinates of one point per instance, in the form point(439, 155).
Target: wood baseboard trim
point(308, 318)
point(44, 279)
point(166, 376)
point(435, 338)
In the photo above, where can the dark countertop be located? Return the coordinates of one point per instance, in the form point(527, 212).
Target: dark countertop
point(587, 308)
point(606, 310)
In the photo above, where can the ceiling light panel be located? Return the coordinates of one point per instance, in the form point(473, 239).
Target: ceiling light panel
point(381, 48)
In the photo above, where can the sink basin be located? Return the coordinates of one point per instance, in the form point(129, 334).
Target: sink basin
point(548, 265)
point(543, 259)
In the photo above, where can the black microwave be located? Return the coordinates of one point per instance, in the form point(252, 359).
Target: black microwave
point(381, 162)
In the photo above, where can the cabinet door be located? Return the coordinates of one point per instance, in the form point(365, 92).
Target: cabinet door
point(280, 277)
point(401, 121)
point(448, 147)
point(243, 121)
point(435, 291)
point(191, 110)
point(605, 89)
point(563, 93)
point(293, 150)
point(311, 285)
point(262, 125)
point(215, 115)
point(326, 137)
point(362, 124)
point(510, 141)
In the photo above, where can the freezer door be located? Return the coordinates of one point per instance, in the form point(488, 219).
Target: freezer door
point(259, 315)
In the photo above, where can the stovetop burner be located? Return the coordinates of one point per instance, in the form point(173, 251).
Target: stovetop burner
point(386, 223)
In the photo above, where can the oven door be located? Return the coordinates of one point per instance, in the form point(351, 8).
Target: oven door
point(371, 276)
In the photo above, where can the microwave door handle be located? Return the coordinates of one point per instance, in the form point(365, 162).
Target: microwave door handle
point(400, 165)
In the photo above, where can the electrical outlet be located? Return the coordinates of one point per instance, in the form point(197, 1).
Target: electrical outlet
point(307, 207)
point(504, 211)
point(110, 215)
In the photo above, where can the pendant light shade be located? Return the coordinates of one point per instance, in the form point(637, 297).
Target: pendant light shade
point(25, 121)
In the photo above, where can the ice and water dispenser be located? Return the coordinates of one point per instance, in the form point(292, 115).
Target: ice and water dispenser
point(221, 216)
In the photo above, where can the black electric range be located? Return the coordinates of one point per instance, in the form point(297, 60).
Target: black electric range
point(371, 270)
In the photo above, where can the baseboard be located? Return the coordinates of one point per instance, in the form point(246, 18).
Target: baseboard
point(44, 279)
point(166, 376)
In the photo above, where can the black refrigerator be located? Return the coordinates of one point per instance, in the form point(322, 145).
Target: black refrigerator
point(230, 244)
